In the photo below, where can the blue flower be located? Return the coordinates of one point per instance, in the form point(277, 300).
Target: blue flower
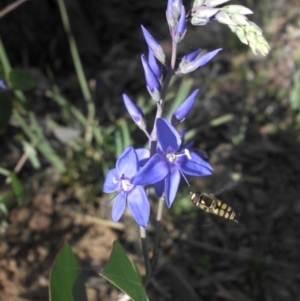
point(118, 179)
point(170, 162)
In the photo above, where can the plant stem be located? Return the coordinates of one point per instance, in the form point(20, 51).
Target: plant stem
point(160, 104)
point(174, 53)
point(11, 7)
point(144, 241)
point(157, 229)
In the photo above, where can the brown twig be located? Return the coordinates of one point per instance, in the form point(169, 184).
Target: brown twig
point(19, 165)
point(11, 7)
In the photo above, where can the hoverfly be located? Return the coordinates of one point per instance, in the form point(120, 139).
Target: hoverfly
point(210, 204)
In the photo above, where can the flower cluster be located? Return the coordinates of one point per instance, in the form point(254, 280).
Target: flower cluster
point(205, 11)
point(168, 160)
point(136, 169)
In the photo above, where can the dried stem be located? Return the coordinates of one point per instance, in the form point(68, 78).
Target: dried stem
point(11, 7)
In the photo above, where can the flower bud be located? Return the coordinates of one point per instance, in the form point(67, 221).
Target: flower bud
point(182, 111)
point(135, 112)
point(251, 35)
point(239, 19)
point(198, 62)
point(237, 9)
point(180, 28)
point(189, 57)
point(154, 65)
point(204, 12)
point(223, 17)
point(199, 22)
point(153, 84)
point(154, 46)
point(174, 6)
point(198, 3)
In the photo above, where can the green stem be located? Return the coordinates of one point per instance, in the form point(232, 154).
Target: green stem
point(144, 241)
point(157, 229)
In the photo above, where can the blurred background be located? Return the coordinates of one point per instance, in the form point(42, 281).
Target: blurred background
point(63, 124)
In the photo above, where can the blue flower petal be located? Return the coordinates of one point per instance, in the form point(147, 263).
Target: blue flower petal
point(111, 183)
point(159, 188)
point(167, 137)
point(127, 163)
point(138, 205)
point(143, 155)
point(171, 185)
point(156, 169)
point(118, 206)
point(195, 166)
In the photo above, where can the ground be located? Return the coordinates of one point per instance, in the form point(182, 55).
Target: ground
point(244, 120)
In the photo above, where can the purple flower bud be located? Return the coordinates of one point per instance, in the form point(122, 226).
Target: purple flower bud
point(173, 12)
point(154, 65)
point(180, 28)
point(198, 62)
point(181, 112)
point(3, 86)
point(153, 84)
point(175, 7)
point(134, 111)
point(154, 46)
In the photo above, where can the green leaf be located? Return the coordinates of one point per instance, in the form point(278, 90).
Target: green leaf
point(32, 154)
point(125, 133)
point(21, 80)
point(17, 187)
point(5, 109)
point(122, 273)
point(15, 183)
point(65, 281)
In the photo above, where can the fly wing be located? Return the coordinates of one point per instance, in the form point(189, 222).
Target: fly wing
point(225, 187)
